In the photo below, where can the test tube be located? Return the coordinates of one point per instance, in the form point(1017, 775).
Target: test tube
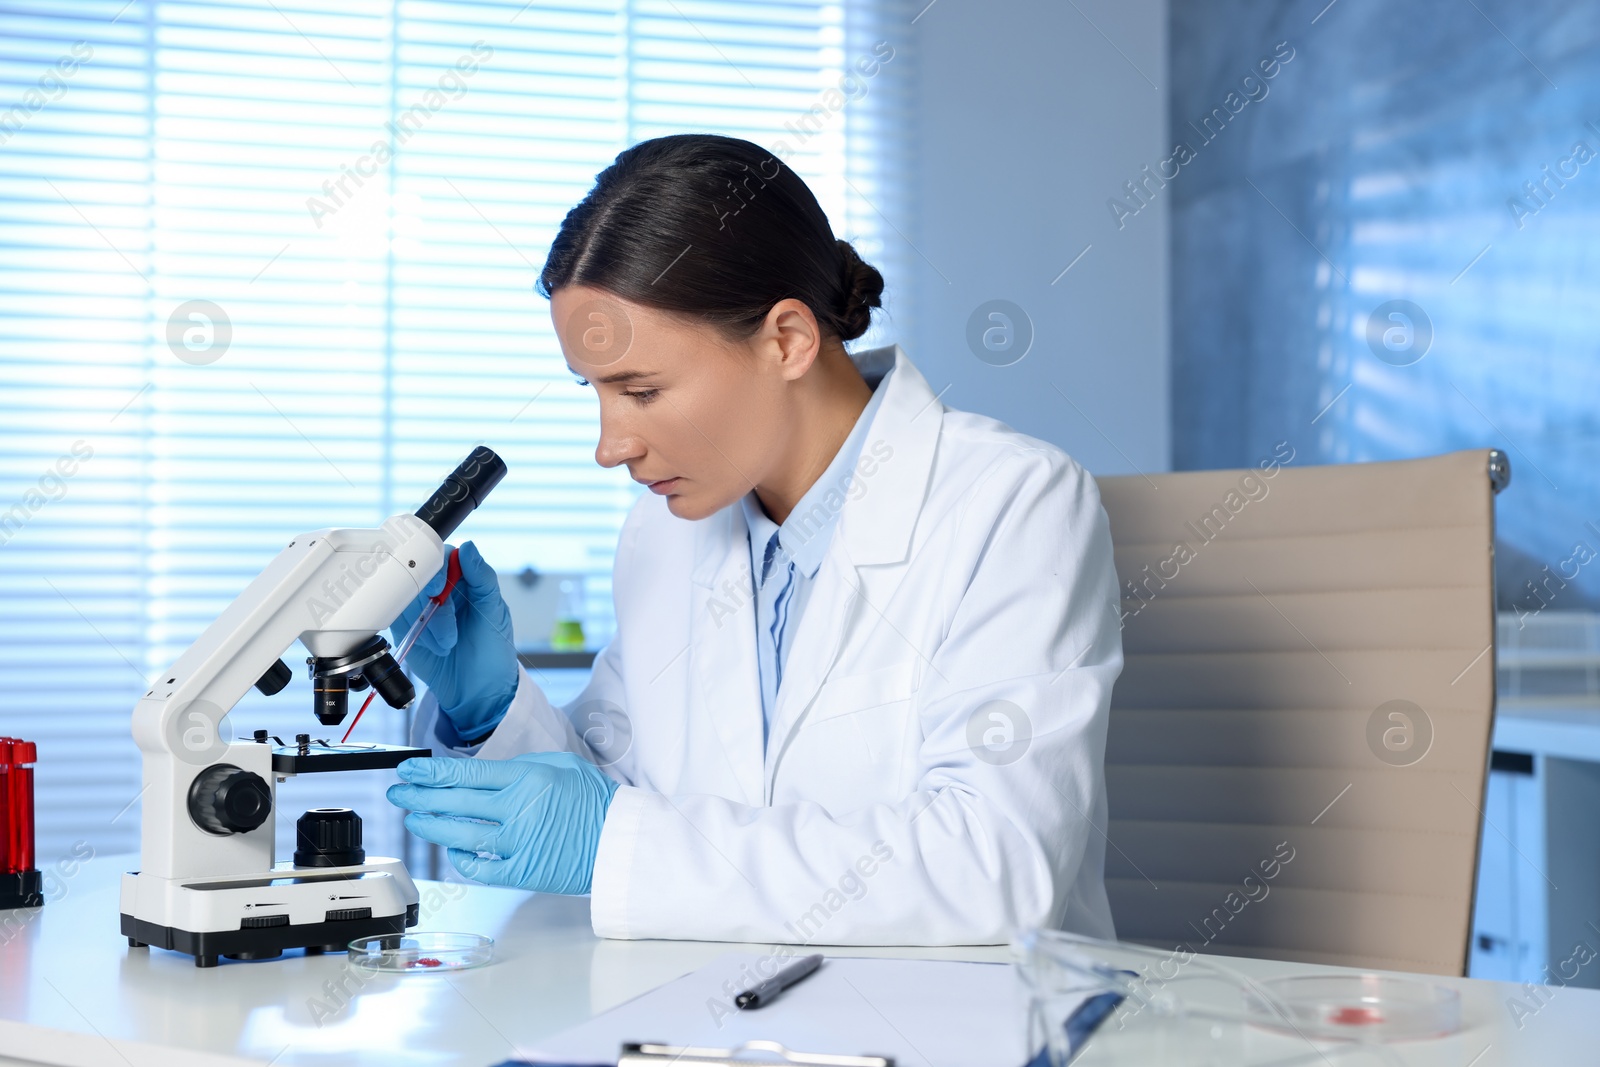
point(5, 807)
point(19, 879)
point(23, 756)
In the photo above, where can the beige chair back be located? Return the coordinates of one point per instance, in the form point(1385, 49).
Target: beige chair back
point(1299, 739)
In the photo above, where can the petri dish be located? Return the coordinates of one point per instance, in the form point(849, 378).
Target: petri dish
point(1357, 1007)
point(422, 953)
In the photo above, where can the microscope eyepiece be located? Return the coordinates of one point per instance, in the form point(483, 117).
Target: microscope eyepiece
point(462, 491)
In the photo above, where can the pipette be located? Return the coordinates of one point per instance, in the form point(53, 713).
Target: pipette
point(452, 576)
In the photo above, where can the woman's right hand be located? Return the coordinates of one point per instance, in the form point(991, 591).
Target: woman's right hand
point(466, 655)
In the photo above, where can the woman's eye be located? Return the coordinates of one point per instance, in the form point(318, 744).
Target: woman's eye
point(643, 396)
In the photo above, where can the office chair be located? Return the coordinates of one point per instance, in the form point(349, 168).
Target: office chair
point(1299, 740)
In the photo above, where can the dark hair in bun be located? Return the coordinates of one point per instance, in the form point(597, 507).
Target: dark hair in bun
point(714, 228)
point(863, 291)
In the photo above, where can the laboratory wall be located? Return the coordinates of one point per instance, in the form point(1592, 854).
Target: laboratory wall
point(1383, 247)
point(1034, 303)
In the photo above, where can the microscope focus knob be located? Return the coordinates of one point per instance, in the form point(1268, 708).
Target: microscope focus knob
point(278, 675)
point(224, 799)
point(329, 837)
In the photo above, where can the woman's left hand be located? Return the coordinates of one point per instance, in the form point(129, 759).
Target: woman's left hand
point(541, 816)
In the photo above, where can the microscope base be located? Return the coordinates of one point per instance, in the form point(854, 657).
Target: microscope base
point(206, 946)
point(257, 916)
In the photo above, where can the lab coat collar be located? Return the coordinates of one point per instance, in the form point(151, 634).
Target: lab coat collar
point(875, 526)
point(805, 535)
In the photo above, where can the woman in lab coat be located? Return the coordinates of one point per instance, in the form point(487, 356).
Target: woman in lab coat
point(865, 643)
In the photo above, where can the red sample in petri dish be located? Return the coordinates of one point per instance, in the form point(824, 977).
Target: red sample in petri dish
point(426, 952)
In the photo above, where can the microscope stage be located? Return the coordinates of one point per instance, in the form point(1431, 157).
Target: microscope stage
point(330, 756)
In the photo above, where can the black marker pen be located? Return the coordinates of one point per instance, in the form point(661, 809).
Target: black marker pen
point(764, 992)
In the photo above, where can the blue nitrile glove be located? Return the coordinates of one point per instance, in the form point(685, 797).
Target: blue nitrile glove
point(466, 655)
point(543, 814)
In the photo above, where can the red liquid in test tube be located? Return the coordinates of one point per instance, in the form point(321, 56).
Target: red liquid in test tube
point(6, 866)
point(16, 805)
point(27, 754)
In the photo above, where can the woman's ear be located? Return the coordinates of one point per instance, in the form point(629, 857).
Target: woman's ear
point(789, 338)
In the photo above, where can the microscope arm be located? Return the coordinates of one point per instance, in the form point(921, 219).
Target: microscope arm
point(330, 589)
point(333, 590)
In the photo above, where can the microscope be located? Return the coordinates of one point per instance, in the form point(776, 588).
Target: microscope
point(208, 882)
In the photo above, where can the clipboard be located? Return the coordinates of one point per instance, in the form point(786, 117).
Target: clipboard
point(749, 1054)
point(854, 1012)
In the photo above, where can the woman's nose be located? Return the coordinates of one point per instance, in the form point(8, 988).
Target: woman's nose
point(616, 447)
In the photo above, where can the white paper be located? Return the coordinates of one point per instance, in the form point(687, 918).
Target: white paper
point(924, 1013)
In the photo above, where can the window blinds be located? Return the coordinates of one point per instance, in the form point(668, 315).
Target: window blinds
point(266, 268)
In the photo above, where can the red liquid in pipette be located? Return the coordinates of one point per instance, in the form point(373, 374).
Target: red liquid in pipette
point(451, 577)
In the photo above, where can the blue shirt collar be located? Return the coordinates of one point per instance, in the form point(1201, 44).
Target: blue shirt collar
point(805, 534)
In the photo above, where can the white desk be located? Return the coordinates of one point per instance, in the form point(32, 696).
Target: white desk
point(71, 992)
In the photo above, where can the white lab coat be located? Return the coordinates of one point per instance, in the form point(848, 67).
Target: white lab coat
point(971, 564)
